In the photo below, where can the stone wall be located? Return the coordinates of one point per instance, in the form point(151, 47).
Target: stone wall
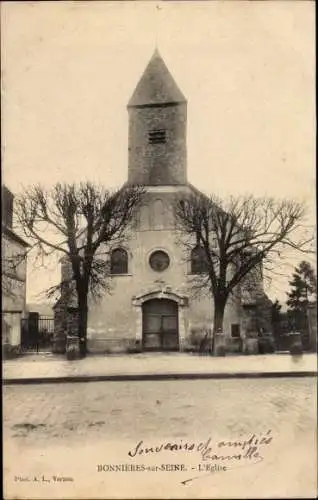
point(63, 325)
point(60, 327)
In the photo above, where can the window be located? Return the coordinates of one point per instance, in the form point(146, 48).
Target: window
point(199, 263)
point(159, 261)
point(119, 261)
point(157, 136)
point(235, 331)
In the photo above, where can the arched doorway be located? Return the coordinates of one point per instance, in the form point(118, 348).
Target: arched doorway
point(160, 329)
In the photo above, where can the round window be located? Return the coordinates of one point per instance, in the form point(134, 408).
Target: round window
point(159, 260)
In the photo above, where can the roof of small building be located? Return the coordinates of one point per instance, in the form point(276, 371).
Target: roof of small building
point(156, 86)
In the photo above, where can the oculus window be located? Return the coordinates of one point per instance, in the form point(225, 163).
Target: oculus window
point(159, 261)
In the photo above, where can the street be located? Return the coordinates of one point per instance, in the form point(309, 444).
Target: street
point(68, 426)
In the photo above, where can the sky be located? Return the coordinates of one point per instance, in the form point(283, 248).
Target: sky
point(247, 70)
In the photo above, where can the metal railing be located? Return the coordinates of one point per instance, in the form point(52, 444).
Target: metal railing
point(37, 333)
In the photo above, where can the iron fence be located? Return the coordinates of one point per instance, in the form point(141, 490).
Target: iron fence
point(37, 333)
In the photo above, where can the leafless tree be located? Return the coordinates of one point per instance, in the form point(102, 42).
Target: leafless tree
point(10, 266)
point(12, 260)
point(237, 240)
point(78, 222)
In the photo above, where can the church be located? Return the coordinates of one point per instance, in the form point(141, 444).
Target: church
point(151, 305)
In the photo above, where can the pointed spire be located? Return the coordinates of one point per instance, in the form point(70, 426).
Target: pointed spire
point(156, 85)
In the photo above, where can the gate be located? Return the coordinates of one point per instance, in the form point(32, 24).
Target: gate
point(160, 325)
point(37, 333)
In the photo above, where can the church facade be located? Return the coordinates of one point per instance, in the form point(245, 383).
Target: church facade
point(152, 305)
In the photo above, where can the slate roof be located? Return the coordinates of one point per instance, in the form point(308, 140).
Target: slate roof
point(156, 86)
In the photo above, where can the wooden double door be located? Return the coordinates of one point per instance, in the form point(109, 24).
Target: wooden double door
point(160, 325)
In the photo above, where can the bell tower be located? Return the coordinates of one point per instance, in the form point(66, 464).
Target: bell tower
point(157, 129)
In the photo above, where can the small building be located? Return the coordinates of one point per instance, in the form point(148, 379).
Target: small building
point(14, 269)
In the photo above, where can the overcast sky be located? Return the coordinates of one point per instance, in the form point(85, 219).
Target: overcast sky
point(246, 68)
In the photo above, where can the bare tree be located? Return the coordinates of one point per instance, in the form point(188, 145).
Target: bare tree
point(236, 240)
point(79, 222)
point(10, 266)
point(12, 259)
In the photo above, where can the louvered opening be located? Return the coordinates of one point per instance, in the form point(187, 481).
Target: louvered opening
point(157, 136)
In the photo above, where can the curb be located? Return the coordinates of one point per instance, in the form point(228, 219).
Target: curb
point(156, 376)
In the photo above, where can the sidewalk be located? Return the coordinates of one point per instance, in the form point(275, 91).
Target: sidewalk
point(48, 368)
